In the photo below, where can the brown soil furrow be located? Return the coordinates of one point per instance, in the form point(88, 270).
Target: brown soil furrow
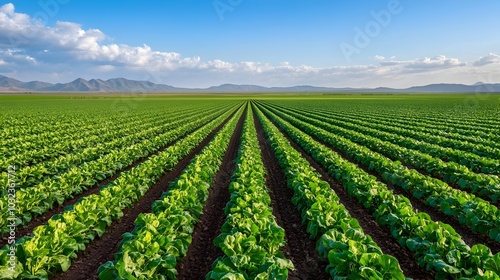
point(102, 249)
point(300, 249)
point(380, 235)
point(202, 252)
point(57, 209)
point(471, 238)
point(425, 172)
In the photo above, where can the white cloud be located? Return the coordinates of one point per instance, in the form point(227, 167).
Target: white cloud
point(489, 59)
point(19, 31)
point(425, 64)
point(59, 53)
point(16, 57)
point(438, 62)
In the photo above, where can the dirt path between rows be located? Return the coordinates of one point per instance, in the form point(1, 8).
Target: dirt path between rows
point(436, 175)
point(470, 238)
point(370, 227)
point(57, 209)
point(103, 249)
point(299, 248)
point(202, 252)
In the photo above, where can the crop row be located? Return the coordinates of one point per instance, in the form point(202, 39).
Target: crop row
point(485, 185)
point(117, 140)
point(390, 133)
point(24, 144)
point(160, 239)
point(475, 212)
point(53, 245)
point(466, 140)
point(26, 123)
point(29, 149)
point(250, 237)
point(433, 120)
point(50, 145)
point(40, 198)
point(33, 126)
point(350, 252)
point(437, 133)
point(436, 245)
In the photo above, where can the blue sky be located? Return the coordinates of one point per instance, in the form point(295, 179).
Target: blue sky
point(362, 43)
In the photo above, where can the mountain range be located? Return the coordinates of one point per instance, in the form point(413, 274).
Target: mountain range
point(124, 85)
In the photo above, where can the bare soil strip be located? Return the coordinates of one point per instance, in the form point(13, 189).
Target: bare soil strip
point(57, 209)
point(471, 238)
point(202, 252)
point(380, 235)
point(436, 176)
point(103, 249)
point(300, 249)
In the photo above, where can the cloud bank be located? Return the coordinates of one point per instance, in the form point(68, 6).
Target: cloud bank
point(31, 50)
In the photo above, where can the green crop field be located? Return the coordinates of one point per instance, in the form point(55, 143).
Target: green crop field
point(298, 186)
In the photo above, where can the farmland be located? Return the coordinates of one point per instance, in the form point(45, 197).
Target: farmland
point(250, 187)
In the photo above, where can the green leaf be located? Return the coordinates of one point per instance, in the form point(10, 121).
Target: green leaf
point(493, 264)
point(440, 265)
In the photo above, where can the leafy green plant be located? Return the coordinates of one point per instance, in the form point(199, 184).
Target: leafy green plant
point(485, 185)
point(250, 237)
point(328, 219)
point(53, 245)
point(436, 245)
point(434, 192)
point(38, 199)
point(160, 239)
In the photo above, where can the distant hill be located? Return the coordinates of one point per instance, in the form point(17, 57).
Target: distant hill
point(9, 84)
point(112, 85)
point(451, 88)
point(124, 85)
